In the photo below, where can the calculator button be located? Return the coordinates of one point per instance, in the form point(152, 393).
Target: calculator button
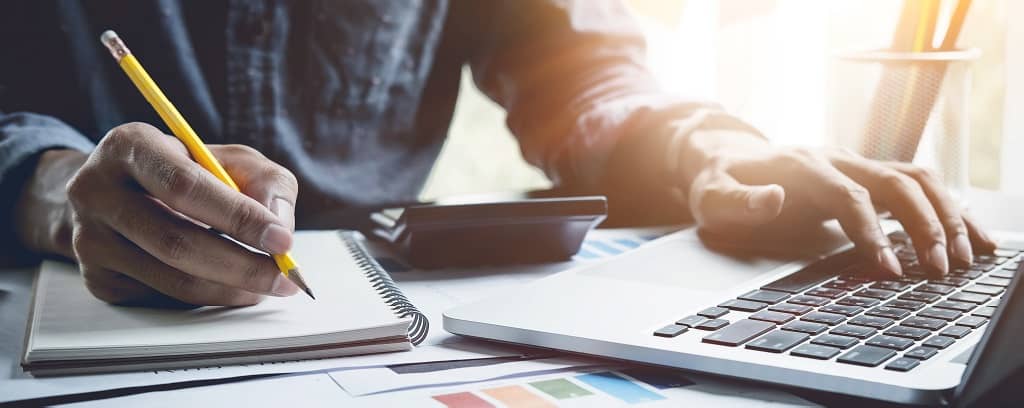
point(908, 332)
point(857, 301)
point(714, 312)
point(956, 332)
point(921, 352)
point(805, 327)
point(984, 289)
point(691, 321)
point(947, 315)
point(774, 317)
point(891, 342)
point(976, 298)
point(920, 297)
point(875, 293)
point(924, 323)
point(955, 305)
point(940, 342)
point(743, 305)
point(713, 324)
point(830, 319)
point(973, 322)
point(809, 300)
point(842, 309)
point(791, 308)
point(871, 321)
point(905, 304)
point(832, 340)
point(890, 312)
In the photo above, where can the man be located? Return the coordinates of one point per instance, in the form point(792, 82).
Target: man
point(350, 102)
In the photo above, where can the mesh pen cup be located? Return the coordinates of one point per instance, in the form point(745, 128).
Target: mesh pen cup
point(904, 106)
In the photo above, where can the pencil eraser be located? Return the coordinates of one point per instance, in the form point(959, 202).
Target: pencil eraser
point(108, 36)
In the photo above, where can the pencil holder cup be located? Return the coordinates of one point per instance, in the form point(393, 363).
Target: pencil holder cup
point(903, 106)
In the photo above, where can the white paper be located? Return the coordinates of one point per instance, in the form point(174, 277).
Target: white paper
point(307, 391)
point(382, 379)
point(455, 349)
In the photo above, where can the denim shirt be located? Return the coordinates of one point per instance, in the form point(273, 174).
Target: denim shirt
point(355, 97)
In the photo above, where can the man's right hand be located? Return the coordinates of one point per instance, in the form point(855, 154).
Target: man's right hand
point(133, 210)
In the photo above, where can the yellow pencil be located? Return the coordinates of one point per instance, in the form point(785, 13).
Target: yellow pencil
point(184, 132)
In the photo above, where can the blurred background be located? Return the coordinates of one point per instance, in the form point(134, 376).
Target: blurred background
point(767, 61)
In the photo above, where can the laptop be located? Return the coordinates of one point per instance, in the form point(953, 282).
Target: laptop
point(810, 319)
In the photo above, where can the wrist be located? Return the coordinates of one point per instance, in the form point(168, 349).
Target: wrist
point(42, 213)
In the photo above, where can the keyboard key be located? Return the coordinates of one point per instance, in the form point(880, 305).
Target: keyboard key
point(671, 330)
point(908, 332)
point(875, 293)
point(765, 296)
point(809, 300)
point(969, 297)
point(982, 267)
point(947, 315)
point(805, 327)
point(774, 317)
point(985, 312)
point(860, 332)
point(843, 284)
point(939, 342)
point(903, 364)
point(924, 323)
point(905, 304)
point(890, 312)
point(951, 281)
point(714, 312)
point(984, 289)
point(857, 301)
point(891, 342)
point(956, 332)
point(921, 352)
point(871, 321)
point(965, 273)
point(973, 322)
point(777, 341)
point(1006, 253)
point(935, 288)
point(691, 321)
point(713, 324)
point(842, 309)
point(955, 305)
point(869, 356)
point(738, 333)
point(891, 285)
point(743, 305)
point(989, 259)
point(832, 340)
point(989, 280)
point(813, 274)
point(815, 351)
point(1003, 273)
point(827, 292)
point(830, 319)
point(791, 308)
point(920, 297)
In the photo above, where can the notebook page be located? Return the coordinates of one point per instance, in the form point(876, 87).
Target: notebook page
point(68, 316)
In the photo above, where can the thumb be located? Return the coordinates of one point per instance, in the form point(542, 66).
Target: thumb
point(720, 203)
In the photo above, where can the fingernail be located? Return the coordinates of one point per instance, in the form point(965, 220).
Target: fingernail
point(276, 239)
point(962, 250)
point(887, 260)
point(283, 287)
point(280, 206)
point(937, 258)
point(761, 198)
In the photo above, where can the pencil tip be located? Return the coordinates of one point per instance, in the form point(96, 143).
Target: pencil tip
point(295, 277)
point(310, 293)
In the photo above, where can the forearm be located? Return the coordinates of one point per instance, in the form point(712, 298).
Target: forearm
point(41, 213)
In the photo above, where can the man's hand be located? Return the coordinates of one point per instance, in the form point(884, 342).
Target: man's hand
point(738, 183)
point(133, 210)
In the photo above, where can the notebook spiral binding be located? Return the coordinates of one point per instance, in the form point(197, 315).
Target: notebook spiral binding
point(387, 288)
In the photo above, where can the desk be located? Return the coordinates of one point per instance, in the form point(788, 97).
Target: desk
point(991, 209)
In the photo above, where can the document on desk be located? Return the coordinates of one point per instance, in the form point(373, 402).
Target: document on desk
point(598, 386)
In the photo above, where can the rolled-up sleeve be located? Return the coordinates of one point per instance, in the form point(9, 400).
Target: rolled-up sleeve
point(23, 137)
point(572, 77)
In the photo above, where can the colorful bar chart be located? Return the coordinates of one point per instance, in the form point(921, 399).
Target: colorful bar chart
point(632, 386)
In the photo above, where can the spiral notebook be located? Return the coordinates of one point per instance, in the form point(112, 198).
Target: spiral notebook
point(358, 310)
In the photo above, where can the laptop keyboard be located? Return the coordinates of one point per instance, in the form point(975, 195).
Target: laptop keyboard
point(819, 314)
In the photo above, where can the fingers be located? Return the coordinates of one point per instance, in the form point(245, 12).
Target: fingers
point(116, 271)
point(834, 192)
point(961, 232)
point(194, 250)
point(721, 204)
point(265, 181)
point(163, 168)
point(908, 202)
